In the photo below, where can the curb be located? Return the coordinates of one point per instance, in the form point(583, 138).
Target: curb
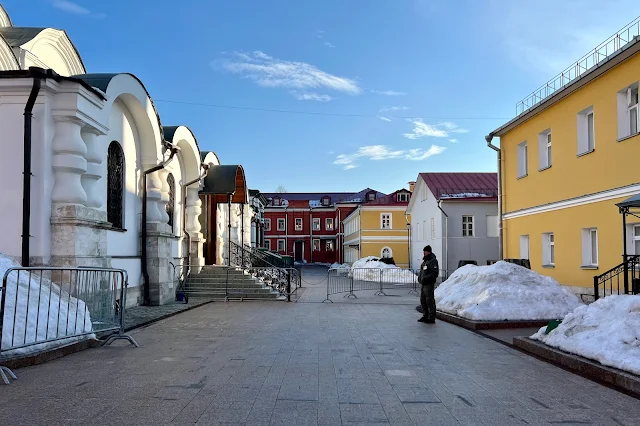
point(489, 325)
point(617, 379)
point(49, 355)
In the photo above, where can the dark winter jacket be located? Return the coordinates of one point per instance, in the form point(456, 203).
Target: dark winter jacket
point(429, 270)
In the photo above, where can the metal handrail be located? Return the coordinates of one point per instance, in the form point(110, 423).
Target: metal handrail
point(605, 50)
point(631, 264)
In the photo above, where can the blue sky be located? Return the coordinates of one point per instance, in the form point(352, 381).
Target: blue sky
point(395, 87)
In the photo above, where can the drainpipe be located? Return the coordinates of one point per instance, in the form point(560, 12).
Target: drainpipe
point(205, 168)
point(339, 240)
point(408, 240)
point(242, 231)
point(489, 138)
point(38, 75)
point(311, 233)
point(229, 229)
point(143, 238)
point(446, 238)
point(286, 231)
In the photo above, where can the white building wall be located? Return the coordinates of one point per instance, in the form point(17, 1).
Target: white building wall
point(421, 213)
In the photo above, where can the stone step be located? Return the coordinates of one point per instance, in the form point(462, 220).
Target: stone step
point(222, 288)
point(238, 280)
point(223, 285)
point(236, 295)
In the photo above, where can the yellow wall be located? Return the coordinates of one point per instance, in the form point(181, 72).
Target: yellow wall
point(400, 251)
point(612, 164)
point(371, 221)
point(566, 225)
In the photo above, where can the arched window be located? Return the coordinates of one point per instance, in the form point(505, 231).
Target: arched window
point(386, 252)
point(172, 197)
point(115, 185)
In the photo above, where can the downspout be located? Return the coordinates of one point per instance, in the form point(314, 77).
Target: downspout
point(229, 229)
point(408, 239)
point(143, 238)
point(311, 233)
point(286, 231)
point(446, 238)
point(340, 248)
point(37, 76)
point(489, 138)
point(359, 232)
point(205, 168)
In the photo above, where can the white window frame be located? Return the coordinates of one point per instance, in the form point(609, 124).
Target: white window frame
point(633, 238)
point(586, 142)
point(371, 196)
point(525, 248)
point(545, 155)
point(316, 220)
point(313, 244)
point(590, 247)
point(330, 245)
point(284, 245)
point(284, 224)
point(433, 228)
point(548, 249)
point(628, 105)
point(298, 220)
point(326, 201)
point(523, 159)
point(382, 221)
point(267, 244)
point(423, 192)
point(403, 197)
point(465, 229)
point(386, 248)
point(267, 224)
point(328, 224)
point(496, 225)
point(424, 230)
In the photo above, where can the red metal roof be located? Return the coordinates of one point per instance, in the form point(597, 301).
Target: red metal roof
point(468, 186)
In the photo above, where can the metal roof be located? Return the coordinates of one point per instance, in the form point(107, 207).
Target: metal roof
point(335, 196)
point(226, 180)
point(462, 185)
point(633, 201)
point(49, 73)
point(170, 131)
point(17, 36)
point(389, 200)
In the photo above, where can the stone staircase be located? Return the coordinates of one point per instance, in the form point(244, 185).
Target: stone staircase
point(212, 282)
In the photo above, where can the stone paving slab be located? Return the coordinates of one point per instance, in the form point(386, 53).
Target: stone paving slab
point(138, 316)
point(256, 363)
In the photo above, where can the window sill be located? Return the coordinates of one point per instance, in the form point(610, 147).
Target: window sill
point(523, 176)
point(544, 168)
point(582, 154)
point(628, 137)
point(589, 267)
point(117, 229)
point(548, 266)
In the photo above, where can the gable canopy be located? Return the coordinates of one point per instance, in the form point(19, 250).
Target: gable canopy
point(225, 180)
point(630, 203)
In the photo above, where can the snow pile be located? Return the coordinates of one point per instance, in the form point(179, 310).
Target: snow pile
point(503, 291)
point(371, 269)
point(66, 315)
point(607, 331)
point(340, 268)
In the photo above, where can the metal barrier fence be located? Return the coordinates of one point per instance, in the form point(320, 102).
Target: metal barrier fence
point(350, 280)
point(43, 307)
point(286, 281)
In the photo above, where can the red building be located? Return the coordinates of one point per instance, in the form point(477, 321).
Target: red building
point(308, 226)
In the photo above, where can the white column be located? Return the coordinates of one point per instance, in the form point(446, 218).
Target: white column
point(194, 209)
point(154, 196)
point(95, 197)
point(69, 162)
point(164, 196)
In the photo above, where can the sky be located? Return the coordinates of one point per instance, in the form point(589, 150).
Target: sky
point(335, 95)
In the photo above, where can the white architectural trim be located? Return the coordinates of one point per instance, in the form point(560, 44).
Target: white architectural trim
point(211, 158)
point(611, 194)
point(349, 242)
point(58, 42)
point(384, 207)
point(5, 20)
point(383, 238)
point(8, 60)
point(189, 153)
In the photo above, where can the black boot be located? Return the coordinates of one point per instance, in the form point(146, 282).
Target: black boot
point(423, 319)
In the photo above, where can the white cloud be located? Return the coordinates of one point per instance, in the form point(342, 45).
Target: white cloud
point(320, 33)
point(75, 8)
point(267, 71)
point(394, 108)
point(440, 130)
point(310, 96)
point(388, 92)
point(384, 118)
point(383, 152)
point(329, 44)
point(453, 140)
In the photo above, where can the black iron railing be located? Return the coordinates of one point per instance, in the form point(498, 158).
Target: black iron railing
point(621, 279)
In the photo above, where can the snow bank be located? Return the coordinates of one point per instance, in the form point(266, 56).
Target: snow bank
point(73, 315)
point(503, 291)
point(607, 331)
point(340, 268)
point(371, 269)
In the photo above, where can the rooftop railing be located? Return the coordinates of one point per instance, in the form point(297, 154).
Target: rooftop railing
point(604, 51)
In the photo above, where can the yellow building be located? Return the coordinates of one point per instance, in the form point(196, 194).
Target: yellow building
point(565, 162)
point(379, 228)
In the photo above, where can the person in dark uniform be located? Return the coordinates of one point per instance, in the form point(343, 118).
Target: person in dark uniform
point(429, 272)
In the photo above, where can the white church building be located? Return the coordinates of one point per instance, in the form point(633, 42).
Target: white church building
point(77, 149)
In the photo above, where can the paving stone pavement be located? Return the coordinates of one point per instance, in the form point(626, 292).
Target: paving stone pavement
point(277, 363)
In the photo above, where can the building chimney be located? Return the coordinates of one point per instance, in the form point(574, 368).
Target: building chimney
point(411, 185)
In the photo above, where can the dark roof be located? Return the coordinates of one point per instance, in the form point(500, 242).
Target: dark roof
point(17, 36)
point(335, 196)
point(462, 185)
point(48, 73)
point(102, 80)
point(633, 201)
point(389, 200)
point(225, 180)
point(254, 192)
